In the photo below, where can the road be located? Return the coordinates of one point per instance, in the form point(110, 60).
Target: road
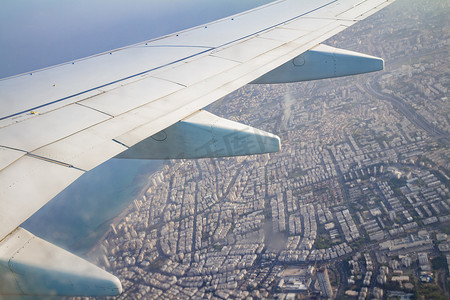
point(409, 112)
point(343, 278)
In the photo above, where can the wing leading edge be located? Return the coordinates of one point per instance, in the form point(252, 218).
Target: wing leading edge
point(73, 117)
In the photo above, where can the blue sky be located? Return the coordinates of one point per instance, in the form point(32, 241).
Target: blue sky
point(41, 33)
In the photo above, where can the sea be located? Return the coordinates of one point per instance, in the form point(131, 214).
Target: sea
point(77, 217)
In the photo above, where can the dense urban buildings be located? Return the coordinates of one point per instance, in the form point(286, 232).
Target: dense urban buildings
point(356, 205)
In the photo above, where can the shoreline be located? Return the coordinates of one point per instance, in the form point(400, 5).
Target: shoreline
point(90, 253)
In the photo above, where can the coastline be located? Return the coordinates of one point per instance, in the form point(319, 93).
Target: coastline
point(92, 251)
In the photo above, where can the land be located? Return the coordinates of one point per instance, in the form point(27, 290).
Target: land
point(356, 203)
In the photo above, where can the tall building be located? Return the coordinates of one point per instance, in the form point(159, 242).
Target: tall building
point(324, 282)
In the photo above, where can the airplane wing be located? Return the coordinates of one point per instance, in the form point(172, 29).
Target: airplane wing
point(145, 101)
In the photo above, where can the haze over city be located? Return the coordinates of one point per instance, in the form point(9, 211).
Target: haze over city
point(356, 205)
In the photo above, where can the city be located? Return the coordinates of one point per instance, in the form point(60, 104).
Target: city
point(356, 205)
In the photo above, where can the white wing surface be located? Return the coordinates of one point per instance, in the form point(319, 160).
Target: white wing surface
point(59, 122)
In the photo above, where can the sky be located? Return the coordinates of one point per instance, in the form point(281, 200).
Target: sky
point(39, 33)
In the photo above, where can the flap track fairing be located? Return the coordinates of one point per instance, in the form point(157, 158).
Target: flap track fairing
point(322, 62)
point(204, 135)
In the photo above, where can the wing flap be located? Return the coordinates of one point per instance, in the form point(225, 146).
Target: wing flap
point(26, 185)
point(84, 150)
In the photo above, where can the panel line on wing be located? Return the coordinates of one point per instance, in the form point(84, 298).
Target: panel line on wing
point(97, 110)
point(103, 85)
point(120, 143)
point(328, 18)
point(171, 63)
point(168, 80)
point(28, 135)
point(173, 46)
point(20, 199)
point(276, 25)
point(12, 148)
point(364, 7)
point(54, 161)
point(9, 156)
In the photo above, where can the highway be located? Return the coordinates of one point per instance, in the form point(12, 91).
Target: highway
point(409, 112)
